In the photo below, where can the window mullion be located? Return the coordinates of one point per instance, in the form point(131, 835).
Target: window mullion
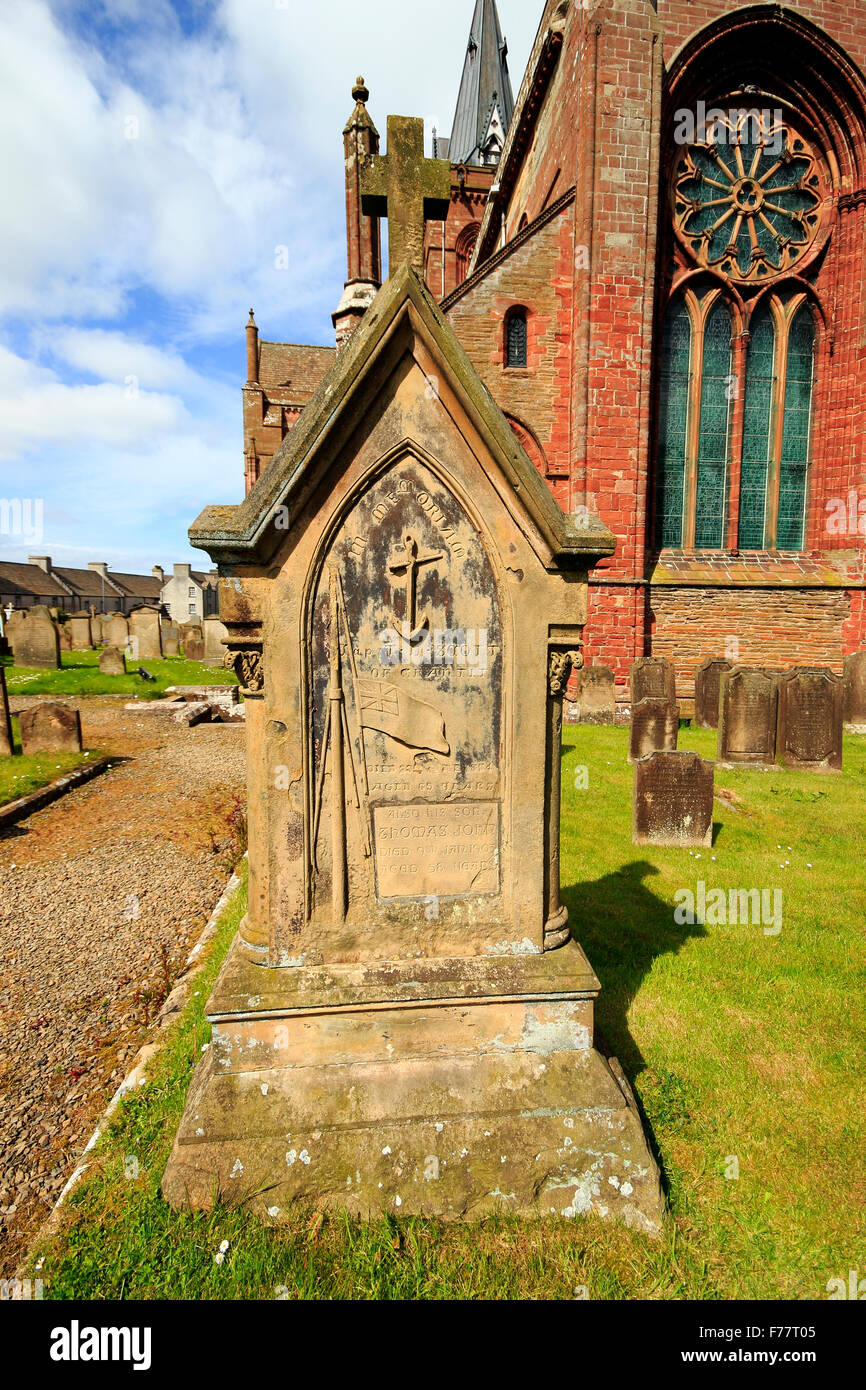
point(777, 427)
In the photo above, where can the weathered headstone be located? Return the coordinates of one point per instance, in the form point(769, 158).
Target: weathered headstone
point(652, 677)
point(170, 646)
point(170, 631)
point(50, 728)
point(193, 647)
point(748, 710)
point(112, 662)
point(145, 633)
point(35, 639)
point(655, 726)
point(80, 632)
point(707, 686)
point(403, 1022)
point(810, 719)
point(214, 632)
point(673, 800)
point(65, 636)
point(7, 742)
point(855, 689)
point(596, 697)
point(116, 631)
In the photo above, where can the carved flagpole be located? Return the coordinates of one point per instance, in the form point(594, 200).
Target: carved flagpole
point(338, 776)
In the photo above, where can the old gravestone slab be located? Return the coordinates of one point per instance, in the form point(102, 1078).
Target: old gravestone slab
point(193, 646)
point(673, 800)
point(403, 999)
point(655, 726)
point(170, 646)
point(112, 662)
point(145, 634)
point(652, 677)
point(707, 688)
point(810, 720)
point(35, 639)
point(748, 716)
point(854, 694)
point(596, 696)
point(214, 634)
point(7, 743)
point(50, 728)
point(80, 632)
point(65, 637)
point(115, 631)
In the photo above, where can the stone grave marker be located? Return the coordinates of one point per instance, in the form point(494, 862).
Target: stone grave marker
point(7, 742)
point(80, 632)
point(116, 631)
point(748, 711)
point(170, 646)
point(655, 726)
point(65, 637)
point(673, 799)
point(35, 639)
point(193, 645)
point(707, 686)
point(404, 1023)
point(855, 689)
point(112, 662)
point(596, 699)
point(214, 632)
point(652, 677)
point(145, 633)
point(50, 727)
point(810, 719)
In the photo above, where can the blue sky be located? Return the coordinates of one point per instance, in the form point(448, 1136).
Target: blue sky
point(154, 157)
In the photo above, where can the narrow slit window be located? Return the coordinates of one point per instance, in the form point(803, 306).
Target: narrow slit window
point(516, 339)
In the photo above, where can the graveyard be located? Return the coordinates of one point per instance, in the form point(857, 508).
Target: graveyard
point(739, 1046)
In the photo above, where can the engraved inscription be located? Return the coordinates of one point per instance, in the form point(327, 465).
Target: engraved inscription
point(434, 849)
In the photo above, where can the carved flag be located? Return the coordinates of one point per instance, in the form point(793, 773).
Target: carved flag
point(393, 711)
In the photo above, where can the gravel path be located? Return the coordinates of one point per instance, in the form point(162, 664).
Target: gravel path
point(102, 896)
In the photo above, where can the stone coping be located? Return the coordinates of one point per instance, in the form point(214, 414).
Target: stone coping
point(25, 806)
point(245, 989)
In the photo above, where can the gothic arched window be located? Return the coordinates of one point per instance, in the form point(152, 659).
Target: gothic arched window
point(464, 248)
point(516, 339)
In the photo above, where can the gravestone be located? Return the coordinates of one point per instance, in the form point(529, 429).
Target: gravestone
point(145, 635)
point(7, 742)
point(65, 637)
point(80, 632)
point(404, 1023)
point(112, 662)
point(35, 639)
point(748, 711)
point(810, 719)
point(170, 646)
point(193, 646)
point(214, 632)
point(854, 694)
point(50, 728)
point(673, 800)
point(707, 686)
point(652, 677)
point(170, 632)
point(116, 631)
point(596, 697)
point(655, 726)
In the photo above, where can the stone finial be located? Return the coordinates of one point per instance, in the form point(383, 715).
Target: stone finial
point(360, 91)
point(251, 322)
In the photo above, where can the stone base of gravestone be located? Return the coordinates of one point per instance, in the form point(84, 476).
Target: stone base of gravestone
point(707, 688)
point(7, 742)
point(50, 728)
point(595, 701)
point(655, 726)
point(652, 677)
point(673, 800)
point(112, 662)
point(810, 720)
point(854, 692)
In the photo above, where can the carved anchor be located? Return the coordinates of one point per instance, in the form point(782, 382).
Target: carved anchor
point(409, 565)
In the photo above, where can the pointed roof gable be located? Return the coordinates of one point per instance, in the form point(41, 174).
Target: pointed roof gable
point(484, 89)
point(402, 313)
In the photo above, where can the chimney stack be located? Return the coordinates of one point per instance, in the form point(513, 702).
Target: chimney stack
point(43, 561)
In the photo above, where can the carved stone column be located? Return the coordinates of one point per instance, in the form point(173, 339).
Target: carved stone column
point(560, 664)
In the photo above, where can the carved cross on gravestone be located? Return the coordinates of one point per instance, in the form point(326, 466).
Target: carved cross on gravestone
point(407, 189)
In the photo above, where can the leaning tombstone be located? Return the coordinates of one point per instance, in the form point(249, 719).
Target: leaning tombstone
point(810, 720)
point(112, 662)
point(652, 677)
point(596, 696)
point(35, 639)
point(144, 628)
point(7, 742)
point(673, 800)
point(854, 694)
point(404, 1022)
point(707, 685)
point(50, 727)
point(655, 726)
point(748, 716)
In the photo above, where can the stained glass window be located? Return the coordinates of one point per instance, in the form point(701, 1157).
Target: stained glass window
point(760, 389)
point(712, 462)
point(673, 422)
point(515, 333)
point(796, 431)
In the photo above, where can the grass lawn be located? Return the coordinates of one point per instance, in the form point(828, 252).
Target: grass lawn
point(20, 775)
point(745, 1050)
point(80, 675)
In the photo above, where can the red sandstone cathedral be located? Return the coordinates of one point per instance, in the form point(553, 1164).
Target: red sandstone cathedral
point(654, 257)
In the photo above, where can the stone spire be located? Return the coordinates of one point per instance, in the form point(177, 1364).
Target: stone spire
point(486, 103)
point(360, 141)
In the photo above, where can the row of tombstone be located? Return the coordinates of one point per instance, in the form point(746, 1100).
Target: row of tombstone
point(37, 638)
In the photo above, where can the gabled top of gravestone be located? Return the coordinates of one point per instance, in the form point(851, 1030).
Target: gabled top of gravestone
point(403, 321)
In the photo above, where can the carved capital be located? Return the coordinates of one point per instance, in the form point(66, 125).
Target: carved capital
point(247, 664)
point(559, 668)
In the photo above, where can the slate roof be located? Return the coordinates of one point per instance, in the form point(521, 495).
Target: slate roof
point(24, 579)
